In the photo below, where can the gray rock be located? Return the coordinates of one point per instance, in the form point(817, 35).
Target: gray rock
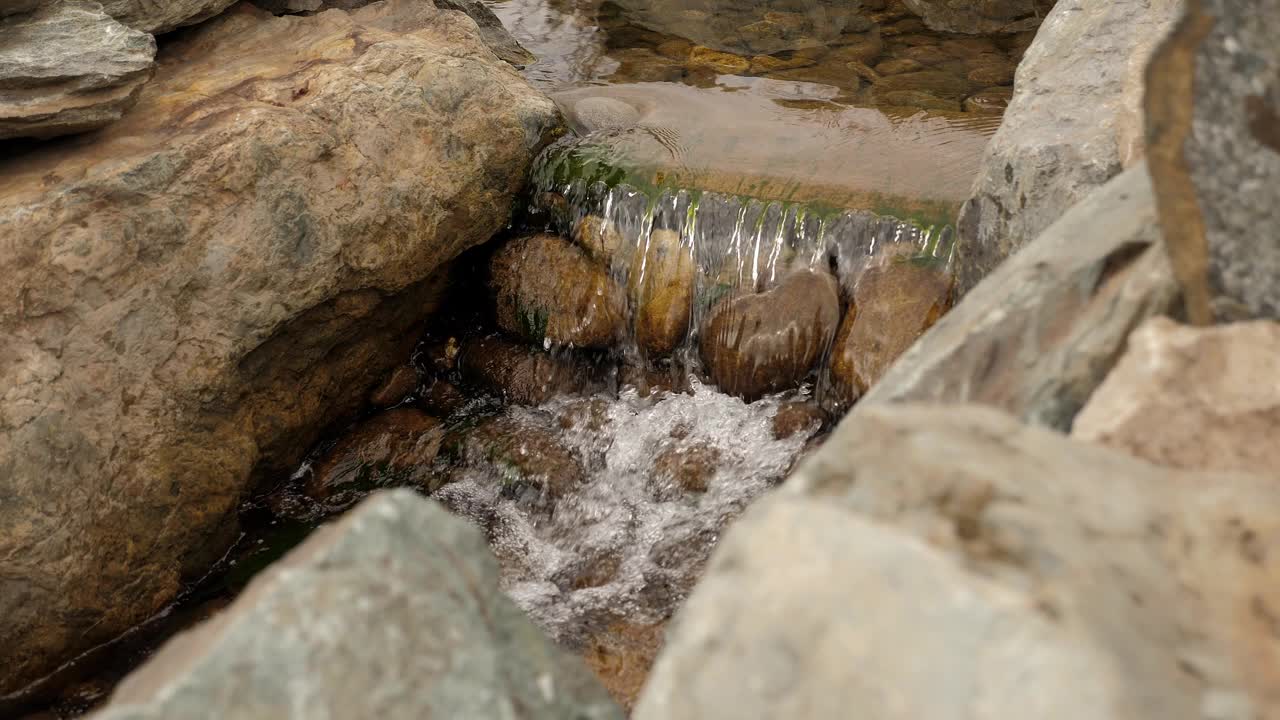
point(941, 563)
point(67, 68)
point(13, 7)
point(194, 292)
point(392, 612)
point(1215, 149)
point(161, 17)
point(1073, 124)
point(1037, 336)
point(1195, 398)
point(495, 35)
point(981, 18)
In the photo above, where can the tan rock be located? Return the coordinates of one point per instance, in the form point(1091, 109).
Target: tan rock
point(193, 292)
point(993, 74)
point(392, 447)
point(913, 98)
point(687, 468)
point(761, 64)
point(722, 62)
point(894, 302)
point(796, 417)
point(863, 48)
point(1194, 398)
point(898, 66)
point(662, 292)
point(991, 101)
point(940, 84)
point(547, 290)
point(621, 655)
point(529, 459)
point(676, 49)
point(518, 373)
point(761, 343)
point(598, 236)
point(394, 387)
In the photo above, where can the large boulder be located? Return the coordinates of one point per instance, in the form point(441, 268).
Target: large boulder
point(1074, 123)
point(1197, 398)
point(938, 562)
point(392, 612)
point(981, 18)
point(1213, 123)
point(67, 68)
point(1038, 335)
point(192, 293)
point(161, 17)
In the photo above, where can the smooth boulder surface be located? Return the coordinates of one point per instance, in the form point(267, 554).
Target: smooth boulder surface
point(1036, 337)
point(69, 67)
point(1197, 398)
point(981, 18)
point(392, 612)
point(161, 16)
point(1075, 121)
point(192, 293)
point(1213, 124)
point(944, 562)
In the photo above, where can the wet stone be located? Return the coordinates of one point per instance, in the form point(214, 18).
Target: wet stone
point(442, 398)
point(991, 101)
point(548, 290)
point(662, 280)
point(684, 467)
point(589, 414)
point(599, 237)
point(621, 656)
point(518, 373)
point(529, 460)
point(723, 62)
point(797, 417)
point(766, 342)
point(933, 82)
point(395, 387)
point(914, 98)
point(994, 74)
point(893, 302)
point(393, 447)
point(762, 64)
point(898, 66)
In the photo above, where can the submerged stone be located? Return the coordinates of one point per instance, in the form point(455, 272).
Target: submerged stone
point(520, 374)
point(761, 343)
point(396, 446)
point(547, 290)
point(529, 460)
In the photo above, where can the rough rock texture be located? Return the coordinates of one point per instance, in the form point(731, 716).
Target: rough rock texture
point(67, 68)
point(1073, 124)
point(1204, 399)
point(765, 342)
point(393, 446)
point(13, 7)
point(393, 612)
point(949, 562)
point(547, 290)
point(521, 374)
point(161, 17)
point(1213, 123)
point(194, 292)
point(1039, 334)
point(981, 18)
point(491, 29)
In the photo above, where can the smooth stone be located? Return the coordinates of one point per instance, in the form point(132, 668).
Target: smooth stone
point(981, 18)
point(947, 561)
point(621, 655)
point(601, 113)
point(913, 98)
point(442, 398)
point(547, 290)
point(530, 460)
point(392, 612)
point(939, 84)
point(723, 62)
point(989, 75)
point(926, 55)
point(1074, 123)
point(279, 214)
point(1214, 143)
point(68, 68)
point(795, 417)
point(394, 446)
point(641, 65)
point(661, 286)
point(863, 49)
point(899, 66)
point(991, 101)
point(520, 374)
point(396, 386)
point(1038, 335)
point(765, 342)
point(893, 302)
point(762, 64)
point(680, 468)
point(599, 237)
point(1192, 398)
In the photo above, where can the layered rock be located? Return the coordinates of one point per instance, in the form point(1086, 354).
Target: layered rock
point(1075, 121)
point(981, 18)
point(161, 17)
point(69, 67)
point(195, 291)
point(393, 612)
point(1213, 124)
point(1197, 398)
point(1038, 335)
point(941, 562)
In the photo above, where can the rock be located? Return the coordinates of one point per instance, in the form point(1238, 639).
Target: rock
point(548, 291)
point(1073, 124)
point(661, 285)
point(160, 17)
point(395, 387)
point(722, 62)
point(529, 459)
point(981, 18)
point(194, 292)
point(684, 468)
point(761, 343)
point(898, 66)
point(442, 398)
point(1041, 332)
point(970, 47)
point(1026, 574)
point(587, 414)
point(1213, 130)
point(14, 7)
point(599, 113)
point(796, 417)
point(520, 374)
point(392, 447)
point(762, 64)
point(1193, 398)
point(621, 654)
point(67, 68)
point(913, 98)
point(644, 65)
point(393, 612)
point(893, 303)
point(599, 237)
point(934, 82)
point(993, 74)
point(862, 48)
point(675, 48)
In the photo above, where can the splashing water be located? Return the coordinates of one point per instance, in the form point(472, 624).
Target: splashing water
point(630, 540)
